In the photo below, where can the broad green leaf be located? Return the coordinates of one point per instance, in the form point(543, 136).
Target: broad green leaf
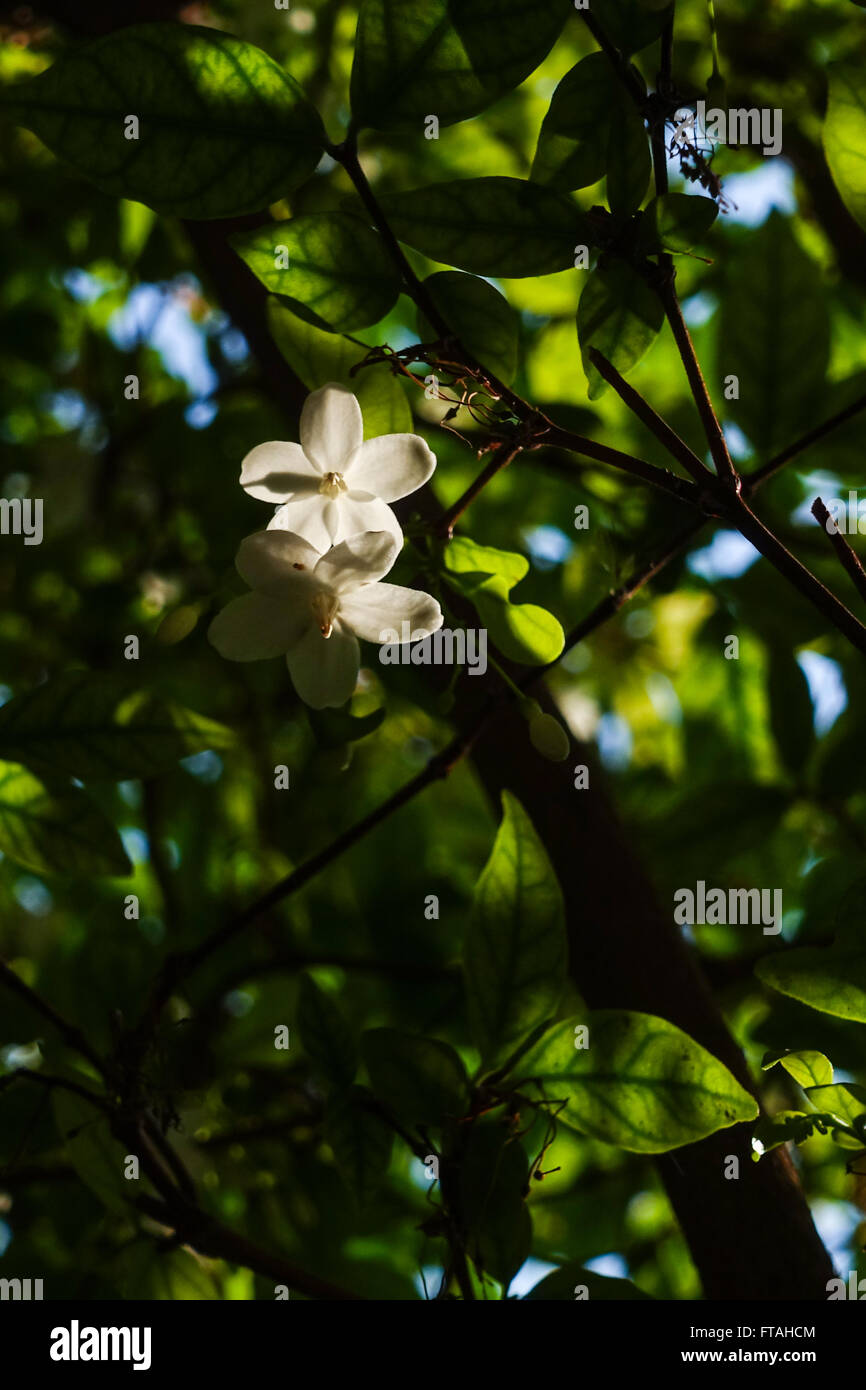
point(773, 335)
point(90, 725)
point(620, 316)
point(325, 1034)
point(421, 1079)
point(95, 1155)
point(593, 128)
point(222, 128)
point(807, 1068)
point(641, 1083)
point(567, 1284)
point(515, 949)
point(676, 222)
point(479, 316)
point(786, 1126)
point(522, 632)
point(791, 712)
point(489, 226)
point(494, 1174)
point(831, 978)
point(844, 135)
point(339, 275)
point(318, 357)
point(448, 58)
point(361, 1141)
point(846, 1102)
point(629, 24)
point(56, 829)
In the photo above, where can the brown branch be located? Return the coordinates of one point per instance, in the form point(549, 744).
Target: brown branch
point(500, 459)
point(676, 447)
point(840, 545)
point(760, 475)
point(700, 394)
point(72, 1035)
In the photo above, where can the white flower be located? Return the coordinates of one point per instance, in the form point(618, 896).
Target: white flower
point(336, 484)
point(313, 607)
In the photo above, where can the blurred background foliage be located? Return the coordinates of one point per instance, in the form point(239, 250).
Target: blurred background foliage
point(738, 772)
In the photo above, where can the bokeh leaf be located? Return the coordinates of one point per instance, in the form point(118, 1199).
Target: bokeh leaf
point(620, 316)
point(55, 829)
point(421, 1079)
point(325, 1034)
point(361, 1141)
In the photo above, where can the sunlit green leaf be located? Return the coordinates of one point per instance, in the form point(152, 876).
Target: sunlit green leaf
point(641, 1082)
point(807, 1068)
point(831, 979)
point(523, 632)
point(845, 135)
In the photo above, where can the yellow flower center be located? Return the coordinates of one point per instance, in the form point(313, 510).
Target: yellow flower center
point(332, 485)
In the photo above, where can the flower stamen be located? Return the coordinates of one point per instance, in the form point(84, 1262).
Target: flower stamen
point(332, 485)
point(325, 607)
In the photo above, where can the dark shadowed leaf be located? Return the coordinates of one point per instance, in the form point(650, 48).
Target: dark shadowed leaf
point(572, 1283)
point(448, 58)
point(339, 275)
point(479, 316)
point(676, 221)
point(791, 712)
point(421, 1079)
point(361, 1141)
point(222, 128)
point(494, 1173)
point(515, 948)
point(629, 24)
point(325, 1034)
point(620, 316)
point(490, 226)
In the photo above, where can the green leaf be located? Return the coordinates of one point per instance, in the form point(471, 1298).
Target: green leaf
point(478, 315)
point(55, 829)
point(90, 725)
point(628, 24)
point(515, 950)
point(563, 1283)
point(361, 1141)
point(807, 1068)
point(642, 1083)
point(786, 1126)
point(421, 1079)
point(521, 631)
point(846, 1102)
point(339, 275)
point(325, 1034)
point(318, 357)
point(334, 728)
point(830, 979)
point(593, 128)
point(676, 222)
point(774, 336)
point(96, 1157)
point(620, 316)
point(222, 129)
point(494, 1175)
point(449, 58)
point(489, 226)
point(844, 135)
point(791, 712)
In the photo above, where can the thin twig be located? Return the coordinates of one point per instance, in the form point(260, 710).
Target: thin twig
point(841, 546)
point(676, 447)
point(72, 1035)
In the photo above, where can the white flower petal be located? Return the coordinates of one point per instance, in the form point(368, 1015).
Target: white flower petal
point(324, 670)
point(361, 511)
point(332, 427)
point(257, 627)
point(272, 472)
point(375, 608)
point(358, 560)
point(391, 466)
point(307, 517)
point(276, 562)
